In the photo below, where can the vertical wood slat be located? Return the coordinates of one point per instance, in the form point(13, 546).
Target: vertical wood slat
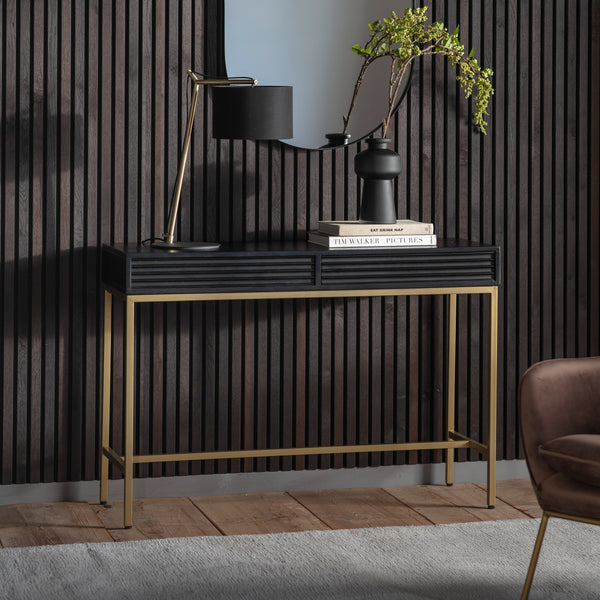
point(8, 224)
point(592, 178)
point(92, 110)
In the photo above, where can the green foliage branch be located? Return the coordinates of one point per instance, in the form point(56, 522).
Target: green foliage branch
point(405, 38)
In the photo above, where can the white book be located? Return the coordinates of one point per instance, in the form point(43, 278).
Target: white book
point(371, 241)
point(400, 227)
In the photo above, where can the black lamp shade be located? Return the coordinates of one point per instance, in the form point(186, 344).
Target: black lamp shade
point(253, 112)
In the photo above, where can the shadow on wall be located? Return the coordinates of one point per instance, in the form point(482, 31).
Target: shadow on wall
point(49, 301)
point(230, 201)
point(51, 319)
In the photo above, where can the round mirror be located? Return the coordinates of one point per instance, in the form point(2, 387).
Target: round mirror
point(308, 44)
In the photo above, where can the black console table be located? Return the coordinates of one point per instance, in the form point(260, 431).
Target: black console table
point(250, 271)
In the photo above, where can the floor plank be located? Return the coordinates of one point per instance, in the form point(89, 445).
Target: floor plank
point(519, 494)
point(460, 503)
point(50, 523)
point(428, 503)
point(272, 512)
point(156, 518)
point(356, 508)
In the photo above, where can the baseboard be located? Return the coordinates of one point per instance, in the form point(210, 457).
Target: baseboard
point(244, 483)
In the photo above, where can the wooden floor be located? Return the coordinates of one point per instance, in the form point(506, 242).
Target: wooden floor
point(75, 522)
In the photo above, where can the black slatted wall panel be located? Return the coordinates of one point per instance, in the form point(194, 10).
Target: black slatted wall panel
point(93, 100)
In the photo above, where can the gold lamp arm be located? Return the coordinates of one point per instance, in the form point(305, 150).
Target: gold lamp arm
point(169, 236)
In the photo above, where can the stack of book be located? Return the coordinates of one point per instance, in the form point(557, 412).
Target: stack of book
point(354, 234)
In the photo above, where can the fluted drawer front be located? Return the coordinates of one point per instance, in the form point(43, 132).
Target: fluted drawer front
point(412, 268)
point(200, 274)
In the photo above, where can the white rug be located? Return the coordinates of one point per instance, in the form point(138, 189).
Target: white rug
point(486, 561)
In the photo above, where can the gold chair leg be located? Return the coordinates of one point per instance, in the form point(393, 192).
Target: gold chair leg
point(534, 556)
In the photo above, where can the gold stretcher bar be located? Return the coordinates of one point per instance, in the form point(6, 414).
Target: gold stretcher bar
point(473, 444)
point(277, 452)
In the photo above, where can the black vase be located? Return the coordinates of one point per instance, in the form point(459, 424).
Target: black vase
point(378, 165)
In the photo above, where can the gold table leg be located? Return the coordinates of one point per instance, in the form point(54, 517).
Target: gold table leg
point(491, 444)
point(105, 437)
point(129, 412)
point(451, 401)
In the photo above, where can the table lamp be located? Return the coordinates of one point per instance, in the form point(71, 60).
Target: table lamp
point(243, 112)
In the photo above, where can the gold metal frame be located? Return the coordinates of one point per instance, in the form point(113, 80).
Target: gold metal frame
point(453, 441)
point(538, 544)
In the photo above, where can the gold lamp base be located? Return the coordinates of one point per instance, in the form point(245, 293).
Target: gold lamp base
point(195, 246)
